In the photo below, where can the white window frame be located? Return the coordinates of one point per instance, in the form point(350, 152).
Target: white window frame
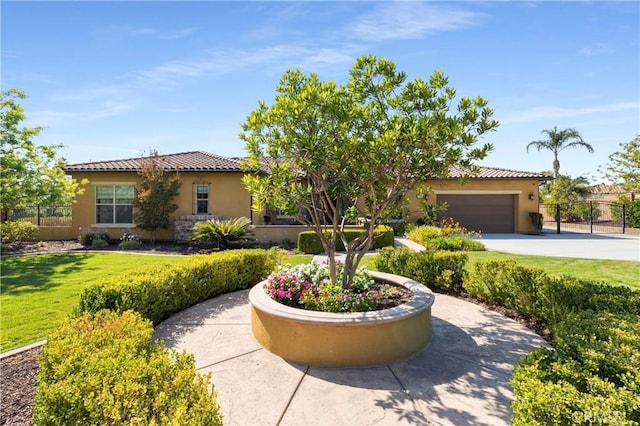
point(196, 200)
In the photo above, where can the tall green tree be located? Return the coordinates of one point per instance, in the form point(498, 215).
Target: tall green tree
point(624, 165)
point(155, 191)
point(569, 192)
point(327, 146)
point(558, 140)
point(29, 173)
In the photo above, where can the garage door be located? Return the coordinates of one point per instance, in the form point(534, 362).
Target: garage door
point(489, 214)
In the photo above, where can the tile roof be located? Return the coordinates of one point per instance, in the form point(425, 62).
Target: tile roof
point(200, 161)
point(485, 172)
point(603, 188)
point(194, 161)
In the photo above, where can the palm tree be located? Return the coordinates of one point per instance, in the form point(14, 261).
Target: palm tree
point(557, 141)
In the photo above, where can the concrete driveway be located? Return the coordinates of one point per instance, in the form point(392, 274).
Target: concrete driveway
point(588, 246)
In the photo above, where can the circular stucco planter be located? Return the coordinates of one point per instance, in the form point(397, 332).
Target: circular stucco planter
point(344, 339)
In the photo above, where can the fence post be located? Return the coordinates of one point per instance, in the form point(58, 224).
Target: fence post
point(38, 214)
point(624, 217)
point(591, 217)
point(557, 218)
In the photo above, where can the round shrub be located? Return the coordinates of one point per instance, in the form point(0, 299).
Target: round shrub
point(15, 232)
point(104, 369)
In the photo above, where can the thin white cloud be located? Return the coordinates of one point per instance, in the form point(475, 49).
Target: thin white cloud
point(547, 113)
point(595, 49)
point(228, 61)
point(407, 20)
point(127, 31)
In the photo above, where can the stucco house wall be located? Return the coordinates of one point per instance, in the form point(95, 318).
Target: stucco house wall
point(522, 191)
point(228, 198)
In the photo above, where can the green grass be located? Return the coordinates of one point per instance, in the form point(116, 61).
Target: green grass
point(37, 292)
point(613, 272)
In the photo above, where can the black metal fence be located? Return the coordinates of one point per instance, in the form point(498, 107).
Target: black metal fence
point(589, 216)
point(42, 215)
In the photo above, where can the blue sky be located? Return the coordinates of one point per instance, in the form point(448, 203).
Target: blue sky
point(112, 80)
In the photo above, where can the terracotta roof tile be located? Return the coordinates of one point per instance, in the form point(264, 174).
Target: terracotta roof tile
point(485, 172)
point(200, 161)
point(194, 161)
point(603, 188)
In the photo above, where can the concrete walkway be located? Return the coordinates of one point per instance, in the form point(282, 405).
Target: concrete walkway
point(460, 378)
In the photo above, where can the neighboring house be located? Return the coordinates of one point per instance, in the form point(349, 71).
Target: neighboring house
point(496, 200)
point(605, 193)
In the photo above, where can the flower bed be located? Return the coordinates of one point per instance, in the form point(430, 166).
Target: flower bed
point(309, 287)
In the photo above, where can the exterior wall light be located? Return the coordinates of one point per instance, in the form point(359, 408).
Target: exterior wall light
point(531, 196)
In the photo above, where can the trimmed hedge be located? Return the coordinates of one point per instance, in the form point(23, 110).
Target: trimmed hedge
point(531, 292)
point(309, 242)
point(591, 378)
point(593, 375)
point(439, 270)
point(103, 369)
point(158, 292)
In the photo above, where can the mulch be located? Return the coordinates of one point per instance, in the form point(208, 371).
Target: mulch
point(18, 373)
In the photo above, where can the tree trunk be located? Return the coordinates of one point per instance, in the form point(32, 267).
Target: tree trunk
point(556, 167)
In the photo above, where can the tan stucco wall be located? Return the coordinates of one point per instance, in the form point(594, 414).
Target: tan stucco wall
point(519, 188)
point(227, 198)
point(53, 233)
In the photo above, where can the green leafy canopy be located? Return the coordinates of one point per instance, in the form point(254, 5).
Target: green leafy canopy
point(29, 173)
point(327, 146)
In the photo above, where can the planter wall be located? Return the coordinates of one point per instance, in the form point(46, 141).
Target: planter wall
point(344, 340)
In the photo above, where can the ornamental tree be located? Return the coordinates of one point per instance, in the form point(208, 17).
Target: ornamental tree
point(155, 192)
point(29, 173)
point(624, 165)
point(330, 153)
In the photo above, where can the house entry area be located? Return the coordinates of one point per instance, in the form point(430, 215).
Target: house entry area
point(487, 213)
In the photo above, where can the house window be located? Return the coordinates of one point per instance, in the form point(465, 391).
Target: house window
point(201, 198)
point(114, 204)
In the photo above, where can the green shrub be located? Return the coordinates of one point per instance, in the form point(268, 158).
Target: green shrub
point(450, 236)
point(440, 270)
point(159, 291)
point(561, 296)
point(99, 242)
point(531, 292)
point(592, 376)
point(15, 232)
point(87, 238)
point(103, 369)
point(454, 243)
point(504, 282)
point(223, 232)
point(129, 245)
point(309, 242)
point(422, 234)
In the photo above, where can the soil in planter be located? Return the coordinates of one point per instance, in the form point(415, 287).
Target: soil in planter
point(392, 295)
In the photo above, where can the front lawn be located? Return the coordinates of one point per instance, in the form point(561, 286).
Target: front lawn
point(37, 292)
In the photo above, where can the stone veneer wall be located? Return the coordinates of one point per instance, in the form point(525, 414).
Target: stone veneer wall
point(184, 223)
